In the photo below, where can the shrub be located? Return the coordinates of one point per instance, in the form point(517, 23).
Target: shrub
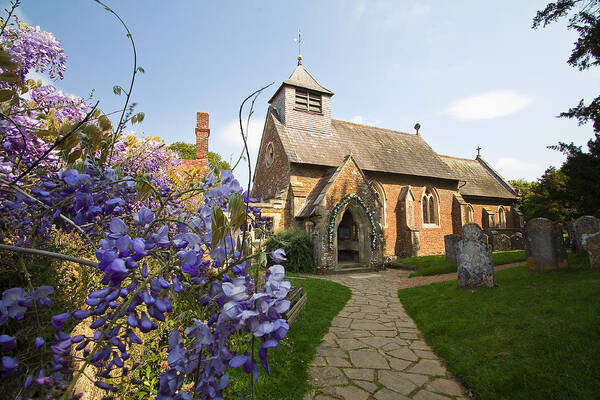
point(298, 249)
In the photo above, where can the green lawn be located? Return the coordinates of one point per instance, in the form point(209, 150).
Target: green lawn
point(289, 363)
point(535, 336)
point(436, 265)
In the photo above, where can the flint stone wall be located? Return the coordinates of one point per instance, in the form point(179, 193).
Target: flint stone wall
point(450, 243)
point(544, 245)
point(592, 245)
point(474, 258)
point(586, 225)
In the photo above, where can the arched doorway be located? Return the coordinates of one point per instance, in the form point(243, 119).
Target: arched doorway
point(352, 237)
point(347, 240)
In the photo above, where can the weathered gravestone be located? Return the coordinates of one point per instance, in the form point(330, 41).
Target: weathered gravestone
point(450, 242)
point(502, 242)
point(493, 239)
point(592, 244)
point(474, 258)
point(585, 225)
point(544, 246)
point(516, 241)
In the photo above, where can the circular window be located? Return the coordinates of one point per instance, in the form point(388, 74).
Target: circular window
point(270, 155)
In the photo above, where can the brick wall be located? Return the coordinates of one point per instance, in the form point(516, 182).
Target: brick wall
point(269, 181)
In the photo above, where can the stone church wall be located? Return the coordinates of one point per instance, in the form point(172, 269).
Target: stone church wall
point(270, 181)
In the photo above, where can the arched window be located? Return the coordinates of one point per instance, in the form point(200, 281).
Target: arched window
point(430, 207)
point(501, 217)
point(469, 216)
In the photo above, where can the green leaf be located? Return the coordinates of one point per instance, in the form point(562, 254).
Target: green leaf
point(141, 70)
point(74, 156)
point(140, 116)
point(9, 77)
point(237, 210)
point(218, 225)
point(6, 62)
point(117, 90)
point(6, 94)
point(262, 259)
point(105, 123)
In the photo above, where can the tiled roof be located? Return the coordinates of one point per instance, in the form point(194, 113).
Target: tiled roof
point(481, 179)
point(313, 197)
point(374, 149)
point(301, 78)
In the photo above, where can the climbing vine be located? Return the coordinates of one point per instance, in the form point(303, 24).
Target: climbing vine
point(336, 211)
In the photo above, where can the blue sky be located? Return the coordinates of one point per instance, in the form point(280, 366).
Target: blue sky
point(472, 73)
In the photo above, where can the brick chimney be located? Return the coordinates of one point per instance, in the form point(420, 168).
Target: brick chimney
point(202, 134)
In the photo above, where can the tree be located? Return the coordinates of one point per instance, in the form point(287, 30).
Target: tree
point(581, 168)
point(186, 151)
point(216, 163)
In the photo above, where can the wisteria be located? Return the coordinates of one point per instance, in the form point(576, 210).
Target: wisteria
point(149, 248)
point(34, 50)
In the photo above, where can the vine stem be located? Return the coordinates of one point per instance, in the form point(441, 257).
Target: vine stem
point(12, 9)
point(44, 253)
point(135, 70)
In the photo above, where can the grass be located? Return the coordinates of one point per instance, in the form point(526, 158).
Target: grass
point(436, 265)
point(535, 336)
point(289, 363)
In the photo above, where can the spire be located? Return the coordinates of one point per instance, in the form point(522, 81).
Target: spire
point(300, 43)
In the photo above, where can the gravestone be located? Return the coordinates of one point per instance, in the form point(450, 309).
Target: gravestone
point(544, 246)
point(474, 258)
point(587, 224)
point(450, 242)
point(502, 242)
point(516, 241)
point(493, 239)
point(592, 244)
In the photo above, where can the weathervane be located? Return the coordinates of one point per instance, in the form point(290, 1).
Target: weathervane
point(300, 43)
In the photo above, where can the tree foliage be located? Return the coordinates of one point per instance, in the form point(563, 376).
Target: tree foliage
point(575, 186)
point(187, 151)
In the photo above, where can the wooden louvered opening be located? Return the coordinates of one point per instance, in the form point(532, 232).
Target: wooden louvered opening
point(308, 101)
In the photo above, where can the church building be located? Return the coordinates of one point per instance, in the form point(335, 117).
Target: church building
point(367, 194)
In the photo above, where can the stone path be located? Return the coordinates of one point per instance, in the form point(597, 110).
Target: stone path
point(373, 349)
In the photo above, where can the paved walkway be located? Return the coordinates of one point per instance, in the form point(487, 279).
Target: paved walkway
point(374, 350)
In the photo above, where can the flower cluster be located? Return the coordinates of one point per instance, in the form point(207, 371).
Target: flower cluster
point(34, 50)
point(336, 210)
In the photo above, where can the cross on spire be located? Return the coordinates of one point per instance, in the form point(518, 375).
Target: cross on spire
point(300, 43)
point(478, 149)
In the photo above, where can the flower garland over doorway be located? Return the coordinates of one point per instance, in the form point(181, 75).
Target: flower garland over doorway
point(336, 211)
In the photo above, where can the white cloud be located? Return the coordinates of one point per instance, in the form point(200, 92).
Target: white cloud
point(512, 168)
point(359, 119)
point(489, 105)
point(227, 142)
point(37, 76)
